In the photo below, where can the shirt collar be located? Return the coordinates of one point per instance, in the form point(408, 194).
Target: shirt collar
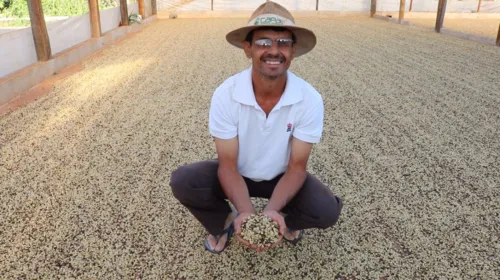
point(243, 91)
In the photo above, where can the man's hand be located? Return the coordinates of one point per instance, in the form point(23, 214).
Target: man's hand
point(276, 216)
point(237, 228)
point(273, 215)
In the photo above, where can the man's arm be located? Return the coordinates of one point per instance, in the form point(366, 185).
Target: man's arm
point(294, 176)
point(231, 180)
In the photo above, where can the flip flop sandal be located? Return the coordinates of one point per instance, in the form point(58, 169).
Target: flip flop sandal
point(296, 239)
point(228, 231)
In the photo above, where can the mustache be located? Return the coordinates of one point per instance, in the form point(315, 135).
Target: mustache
point(280, 57)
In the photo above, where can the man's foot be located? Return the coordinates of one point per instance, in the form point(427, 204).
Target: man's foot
point(217, 244)
point(293, 236)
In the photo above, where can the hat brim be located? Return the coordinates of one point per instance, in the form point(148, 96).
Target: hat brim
point(306, 40)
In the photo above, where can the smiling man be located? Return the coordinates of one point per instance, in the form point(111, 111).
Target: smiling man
point(264, 121)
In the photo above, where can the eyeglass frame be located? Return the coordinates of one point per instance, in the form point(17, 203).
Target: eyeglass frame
point(275, 41)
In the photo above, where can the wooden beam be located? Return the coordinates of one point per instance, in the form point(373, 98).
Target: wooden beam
point(124, 11)
point(212, 5)
point(479, 6)
point(373, 9)
point(402, 5)
point(142, 8)
point(154, 7)
point(317, 4)
point(411, 5)
point(440, 15)
point(498, 36)
point(95, 18)
point(39, 29)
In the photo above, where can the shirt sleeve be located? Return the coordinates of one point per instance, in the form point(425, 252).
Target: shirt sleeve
point(220, 121)
point(310, 126)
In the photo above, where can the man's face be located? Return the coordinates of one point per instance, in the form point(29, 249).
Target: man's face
point(271, 61)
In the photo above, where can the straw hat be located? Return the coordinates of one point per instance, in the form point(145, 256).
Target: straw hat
point(274, 15)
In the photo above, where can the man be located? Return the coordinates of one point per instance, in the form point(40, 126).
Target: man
point(264, 121)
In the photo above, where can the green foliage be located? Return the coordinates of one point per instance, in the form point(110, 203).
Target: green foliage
point(19, 8)
point(64, 7)
point(134, 18)
point(108, 3)
point(4, 4)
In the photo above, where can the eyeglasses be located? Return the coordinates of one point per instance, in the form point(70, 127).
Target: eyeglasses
point(281, 42)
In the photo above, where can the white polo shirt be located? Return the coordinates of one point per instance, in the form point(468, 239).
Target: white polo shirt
point(264, 143)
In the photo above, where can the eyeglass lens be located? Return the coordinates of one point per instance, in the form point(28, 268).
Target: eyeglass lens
point(267, 43)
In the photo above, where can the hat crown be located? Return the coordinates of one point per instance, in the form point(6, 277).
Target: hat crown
point(271, 14)
point(272, 8)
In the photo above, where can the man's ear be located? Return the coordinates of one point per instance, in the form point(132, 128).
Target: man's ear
point(246, 48)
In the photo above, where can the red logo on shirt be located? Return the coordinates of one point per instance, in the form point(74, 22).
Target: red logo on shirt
point(289, 127)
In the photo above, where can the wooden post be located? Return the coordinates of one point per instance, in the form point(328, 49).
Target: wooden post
point(402, 5)
point(124, 11)
point(317, 4)
point(411, 6)
point(498, 36)
point(440, 15)
point(39, 29)
point(154, 8)
point(373, 9)
point(95, 19)
point(142, 8)
point(479, 6)
point(212, 3)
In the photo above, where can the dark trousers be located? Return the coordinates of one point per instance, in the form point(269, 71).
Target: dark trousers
point(197, 187)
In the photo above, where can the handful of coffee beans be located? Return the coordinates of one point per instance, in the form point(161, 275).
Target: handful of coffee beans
point(260, 230)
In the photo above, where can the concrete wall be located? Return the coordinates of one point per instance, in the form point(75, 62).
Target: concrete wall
point(133, 8)
point(17, 51)
point(110, 19)
point(34, 73)
point(149, 8)
point(326, 5)
point(67, 33)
